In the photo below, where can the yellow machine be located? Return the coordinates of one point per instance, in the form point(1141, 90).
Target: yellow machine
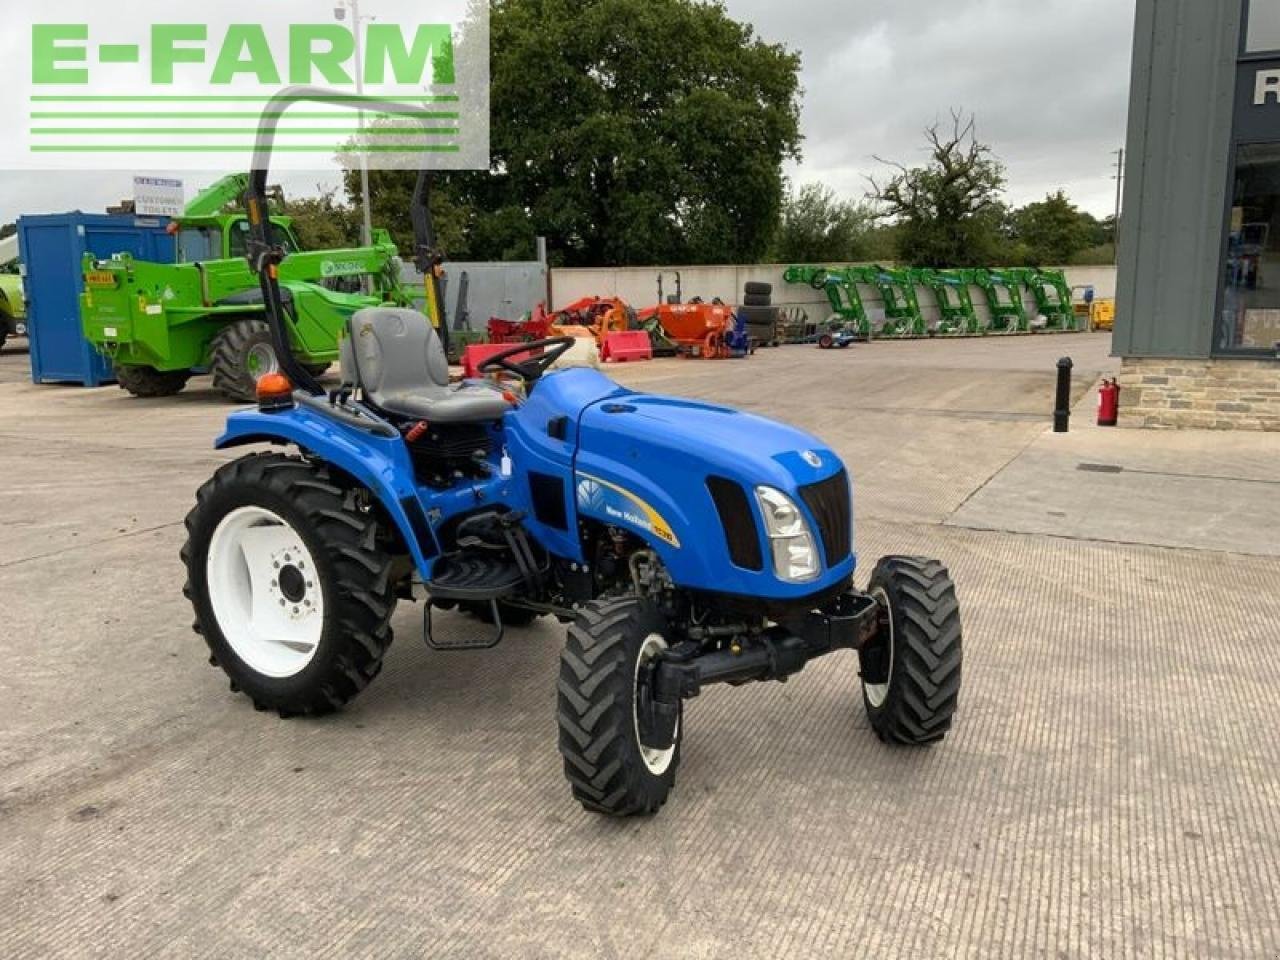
point(1102, 315)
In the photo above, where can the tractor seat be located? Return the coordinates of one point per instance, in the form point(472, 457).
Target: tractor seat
point(395, 357)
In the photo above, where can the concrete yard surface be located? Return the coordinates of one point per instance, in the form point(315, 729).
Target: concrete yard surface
point(1111, 787)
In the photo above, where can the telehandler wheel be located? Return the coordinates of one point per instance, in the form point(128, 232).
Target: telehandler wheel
point(239, 355)
point(150, 382)
point(608, 767)
point(291, 582)
point(911, 673)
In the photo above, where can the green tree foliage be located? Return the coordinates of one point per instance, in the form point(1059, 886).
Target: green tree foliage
point(391, 196)
point(322, 222)
point(1053, 230)
point(948, 212)
point(818, 226)
point(625, 131)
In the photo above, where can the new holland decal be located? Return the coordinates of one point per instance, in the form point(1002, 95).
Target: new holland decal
point(610, 502)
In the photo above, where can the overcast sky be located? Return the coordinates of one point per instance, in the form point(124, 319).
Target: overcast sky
point(1047, 79)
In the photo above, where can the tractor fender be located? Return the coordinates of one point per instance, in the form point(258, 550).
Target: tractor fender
point(381, 464)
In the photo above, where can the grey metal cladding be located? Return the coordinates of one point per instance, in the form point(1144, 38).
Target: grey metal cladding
point(1177, 155)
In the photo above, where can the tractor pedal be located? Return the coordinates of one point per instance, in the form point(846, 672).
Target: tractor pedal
point(450, 645)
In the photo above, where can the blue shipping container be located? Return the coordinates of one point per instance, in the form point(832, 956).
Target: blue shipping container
point(51, 247)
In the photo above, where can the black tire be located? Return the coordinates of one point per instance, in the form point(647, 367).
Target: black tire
point(4, 334)
point(231, 358)
point(511, 616)
point(599, 739)
point(826, 342)
point(143, 381)
point(764, 316)
point(757, 300)
point(756, 288)
point(353, 567)
point(911, 679)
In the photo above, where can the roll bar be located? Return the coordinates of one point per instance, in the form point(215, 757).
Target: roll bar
point(265, 255)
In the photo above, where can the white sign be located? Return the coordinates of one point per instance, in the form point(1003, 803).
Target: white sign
point(157, 197)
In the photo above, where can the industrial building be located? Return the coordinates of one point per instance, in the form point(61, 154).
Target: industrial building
point(1198, 320)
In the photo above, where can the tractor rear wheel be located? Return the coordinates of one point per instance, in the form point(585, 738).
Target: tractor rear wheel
point(602, 673)
point(911, 671)
point(144, 381)
point(240, 354)
point(291, 581)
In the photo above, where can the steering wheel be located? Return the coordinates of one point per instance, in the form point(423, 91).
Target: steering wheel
point(531, 370)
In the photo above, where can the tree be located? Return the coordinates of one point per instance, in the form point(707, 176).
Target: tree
point(1053, 230)
point(627, 131)
point(818, 226)
point(948, 212)
point(322, 222)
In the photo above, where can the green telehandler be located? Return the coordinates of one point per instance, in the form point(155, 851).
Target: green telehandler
point(160, 323)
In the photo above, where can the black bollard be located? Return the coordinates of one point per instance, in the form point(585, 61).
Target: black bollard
point(1062, 408)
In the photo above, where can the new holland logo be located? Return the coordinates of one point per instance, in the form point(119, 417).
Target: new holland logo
point(613, 504)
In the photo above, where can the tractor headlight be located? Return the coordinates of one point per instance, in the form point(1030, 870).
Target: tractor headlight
point(795, 555)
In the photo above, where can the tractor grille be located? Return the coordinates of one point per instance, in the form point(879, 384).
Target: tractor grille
point(829, 502)
point(739, 525)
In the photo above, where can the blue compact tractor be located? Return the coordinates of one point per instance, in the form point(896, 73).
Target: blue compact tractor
point(684, 544)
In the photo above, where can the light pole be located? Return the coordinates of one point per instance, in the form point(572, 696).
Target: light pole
point(1119, 179)
point(340, 13)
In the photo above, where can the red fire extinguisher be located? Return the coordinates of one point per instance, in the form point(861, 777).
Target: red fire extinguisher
point(1108, 403)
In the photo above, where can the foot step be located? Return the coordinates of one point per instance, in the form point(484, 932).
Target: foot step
point(450, 644)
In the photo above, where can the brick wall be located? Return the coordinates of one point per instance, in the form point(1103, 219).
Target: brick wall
point(1216, 394)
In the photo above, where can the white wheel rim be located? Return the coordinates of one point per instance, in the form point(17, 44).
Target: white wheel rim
point(656, 760)
point(878, 693)
point(265, 592)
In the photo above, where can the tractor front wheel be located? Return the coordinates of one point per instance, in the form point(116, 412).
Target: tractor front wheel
point(291, 580)
point(143, 381)
point(240, 354)
point(603, 682)
point(911, 671)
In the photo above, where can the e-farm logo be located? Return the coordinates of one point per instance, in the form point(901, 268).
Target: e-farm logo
point(322, 50)
point(151, 86)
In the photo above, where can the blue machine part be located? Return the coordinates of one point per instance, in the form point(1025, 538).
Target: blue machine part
point(639, 462)
point(52, 246)
point(738, 341)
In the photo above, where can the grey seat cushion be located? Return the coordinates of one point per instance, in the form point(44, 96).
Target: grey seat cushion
point(395, 357)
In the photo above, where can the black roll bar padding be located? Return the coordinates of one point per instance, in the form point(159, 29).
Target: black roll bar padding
point(426, 257)
point(265, 255)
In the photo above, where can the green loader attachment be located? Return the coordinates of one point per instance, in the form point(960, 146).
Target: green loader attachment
point(842, 293)
point(1053, 297)
point(902, 316)
point(1003, 290)
point(955, 302)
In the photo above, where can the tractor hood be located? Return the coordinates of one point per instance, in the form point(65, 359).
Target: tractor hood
point(682, 474)
point(660, 434)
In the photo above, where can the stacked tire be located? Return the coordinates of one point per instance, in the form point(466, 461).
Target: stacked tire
point(759, 313)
